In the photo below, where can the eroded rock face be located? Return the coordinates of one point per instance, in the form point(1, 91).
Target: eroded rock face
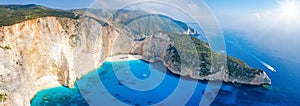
point(48, 52)
point(188, 56)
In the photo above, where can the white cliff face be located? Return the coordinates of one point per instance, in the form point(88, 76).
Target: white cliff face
point(48, 52)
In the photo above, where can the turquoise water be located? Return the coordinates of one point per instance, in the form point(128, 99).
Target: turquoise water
point(116, 83)
point(115, 86)
point(59, 96)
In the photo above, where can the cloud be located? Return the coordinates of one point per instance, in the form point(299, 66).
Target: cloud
point(257, 15)
point(270, 30)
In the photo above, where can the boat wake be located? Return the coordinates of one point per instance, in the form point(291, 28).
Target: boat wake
point(266, 64)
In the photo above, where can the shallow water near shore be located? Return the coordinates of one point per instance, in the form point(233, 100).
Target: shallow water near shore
point(282, 92)
point(229, 94)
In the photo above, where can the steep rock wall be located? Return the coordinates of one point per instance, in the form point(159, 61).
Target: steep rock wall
point(48, 52)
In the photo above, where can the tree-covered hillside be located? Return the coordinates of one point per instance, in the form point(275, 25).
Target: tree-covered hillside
point(12, 14)
point(141, 22)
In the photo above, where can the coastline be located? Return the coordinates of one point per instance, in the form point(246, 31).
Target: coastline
point(51, 81)
point(47, 82)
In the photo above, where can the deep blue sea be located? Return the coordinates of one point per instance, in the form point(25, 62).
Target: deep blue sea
point(140, 83)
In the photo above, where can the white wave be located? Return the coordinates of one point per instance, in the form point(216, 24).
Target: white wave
point(266, 65)
point(269, 66)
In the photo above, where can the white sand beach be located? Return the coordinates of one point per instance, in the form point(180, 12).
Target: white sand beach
point(51, 81)
point(123, 57)
point(47, 82)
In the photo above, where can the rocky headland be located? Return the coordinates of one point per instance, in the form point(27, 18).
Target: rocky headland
point(49, 51)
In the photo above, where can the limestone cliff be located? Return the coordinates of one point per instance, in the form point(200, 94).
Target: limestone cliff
point(50, 51)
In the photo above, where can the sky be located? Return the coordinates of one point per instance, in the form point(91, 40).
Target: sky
point(224, 10)
point(272, 24)
point(228, 5)
point(58, 4)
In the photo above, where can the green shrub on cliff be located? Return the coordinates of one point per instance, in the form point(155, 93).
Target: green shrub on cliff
point(3, 97)
point(7, 47)
point(74, 40)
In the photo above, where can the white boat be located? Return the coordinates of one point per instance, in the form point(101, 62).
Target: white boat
point(144, 75)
